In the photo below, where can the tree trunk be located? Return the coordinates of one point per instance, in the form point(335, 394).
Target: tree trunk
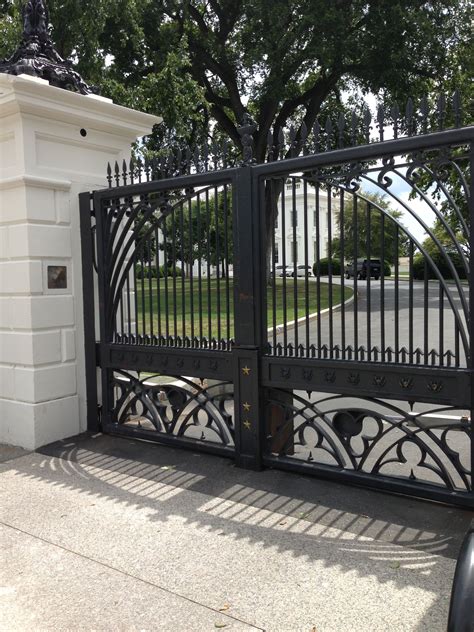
point(273, 190)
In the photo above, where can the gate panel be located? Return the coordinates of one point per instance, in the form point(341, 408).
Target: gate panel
point(167, 310)
point(312, 313)
point(367, 357)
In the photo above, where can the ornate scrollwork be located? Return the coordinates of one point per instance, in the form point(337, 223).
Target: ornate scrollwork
point(388, 165)
point(372, 437)
point(178, 407)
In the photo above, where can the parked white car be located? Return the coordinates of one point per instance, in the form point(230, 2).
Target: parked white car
point(301, 271)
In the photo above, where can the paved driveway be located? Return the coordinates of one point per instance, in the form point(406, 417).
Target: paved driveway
point(369, 321)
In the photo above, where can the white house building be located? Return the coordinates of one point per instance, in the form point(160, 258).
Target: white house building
point(291, 222)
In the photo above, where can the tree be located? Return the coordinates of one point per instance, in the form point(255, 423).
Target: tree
point(280, 60)
point(356, 244)
point(204, 233)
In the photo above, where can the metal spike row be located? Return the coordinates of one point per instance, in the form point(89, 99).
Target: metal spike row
point(292, 139)
point(441, 111)
point(424, 111)
point(395, 114)
point(281, 144)
point(457, 108)
point(117, 174)
point(341, 123)
point(109, 175)
point(124, 172)
point(328, 128)
point(270, 146)
point(316, 136)
point(409, 116)
point(381, 121)
point(354, 125)
point(366, 123)
point(304, 137)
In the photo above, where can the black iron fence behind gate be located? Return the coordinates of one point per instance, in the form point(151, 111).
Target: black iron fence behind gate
point(310, 313)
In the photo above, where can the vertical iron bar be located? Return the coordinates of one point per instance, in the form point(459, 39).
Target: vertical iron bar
point(165, 268)
point(183, 274)
point(283, 252)
point(441, 324)
point(218, 266)
point(425, 313)
point(355, 224)
point(88, 305)
point(341, 261)
point(382, 286)
point(410, 303)
point(129, 308)
point(104, 274)
point(135, 293)
point(199, 240)
point(397, 294)
point(306, 263)
point(470, 354)
point(158, 285)
point(294, 216)
point(191, 266)
point(150, 284)
point(142, 265)
point(226, 255)
point(318, 267)
point(330, 289)
point(173, 254)
point(208, 268)
point(273, 202)
point(368, 272)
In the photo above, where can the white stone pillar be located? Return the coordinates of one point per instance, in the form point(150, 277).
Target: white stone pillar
point(53, 145)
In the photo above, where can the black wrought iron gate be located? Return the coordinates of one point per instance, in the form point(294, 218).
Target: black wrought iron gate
point(311, 313)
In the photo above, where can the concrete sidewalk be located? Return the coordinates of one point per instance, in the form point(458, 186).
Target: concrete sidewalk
point(101, 533)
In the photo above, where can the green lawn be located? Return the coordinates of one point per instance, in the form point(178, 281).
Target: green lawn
point(212, 298)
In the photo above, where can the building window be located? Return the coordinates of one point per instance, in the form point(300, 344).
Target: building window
point(315, 250)
point(275, 253)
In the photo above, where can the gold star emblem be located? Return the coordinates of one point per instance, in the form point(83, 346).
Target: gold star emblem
point(247, 424)
point(246, 370)
point(246, 406)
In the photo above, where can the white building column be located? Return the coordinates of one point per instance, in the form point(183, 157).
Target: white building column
point(53, 145)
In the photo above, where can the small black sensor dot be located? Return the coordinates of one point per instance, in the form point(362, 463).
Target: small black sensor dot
point(83, 132)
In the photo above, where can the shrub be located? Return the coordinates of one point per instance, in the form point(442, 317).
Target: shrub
point(145, 271)
point(170, 271)
point(324, 265)
point(387, 270)
point(441, 264)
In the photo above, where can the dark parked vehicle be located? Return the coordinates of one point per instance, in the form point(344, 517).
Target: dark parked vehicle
point(362, 266)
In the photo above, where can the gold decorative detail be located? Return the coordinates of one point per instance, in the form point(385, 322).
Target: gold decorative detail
point(246, 406)
point(246, 370)
point(247, 424)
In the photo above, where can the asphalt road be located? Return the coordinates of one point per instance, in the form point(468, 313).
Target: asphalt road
point(360, 322)
point(364, 317)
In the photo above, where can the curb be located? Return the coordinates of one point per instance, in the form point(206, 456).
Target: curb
point(313, 316)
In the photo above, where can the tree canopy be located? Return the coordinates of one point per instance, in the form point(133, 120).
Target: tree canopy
point(281, 61)
point(384, 238)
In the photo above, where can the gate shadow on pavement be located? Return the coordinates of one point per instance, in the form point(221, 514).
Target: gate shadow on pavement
point(289, 512)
